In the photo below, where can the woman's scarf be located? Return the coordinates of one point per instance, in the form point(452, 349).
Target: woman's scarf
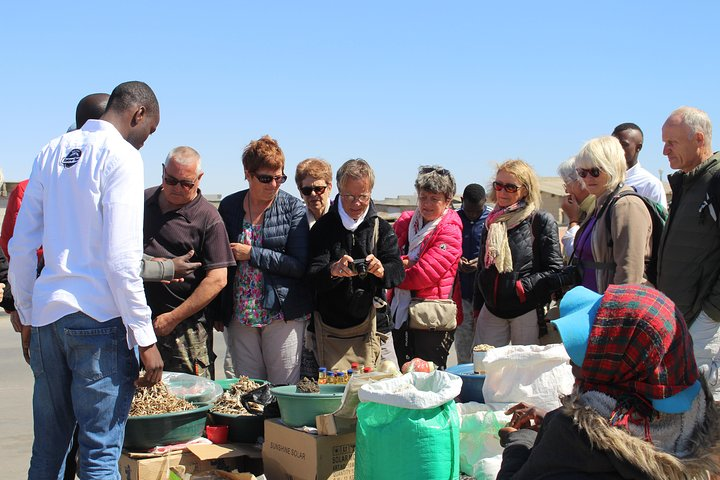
point(499, 221)
point(347, 220)
point(671, 433)
point(639, 349)
point(417, 232)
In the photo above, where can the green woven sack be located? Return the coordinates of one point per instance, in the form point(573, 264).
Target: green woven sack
point(399, 443)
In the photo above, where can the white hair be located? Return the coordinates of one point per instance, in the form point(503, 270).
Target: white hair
point(567, 171)
point(697, 121)
point(185, 156)
point(607, 154)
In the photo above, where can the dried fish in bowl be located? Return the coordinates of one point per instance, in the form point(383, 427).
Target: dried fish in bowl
point(230, 401)
point(308, 385)
point(157, 400)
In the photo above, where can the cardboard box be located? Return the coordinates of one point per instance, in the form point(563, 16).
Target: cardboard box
point(291, 454)
point(198, 458)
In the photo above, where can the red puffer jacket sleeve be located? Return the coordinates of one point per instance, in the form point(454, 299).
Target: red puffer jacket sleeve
point(434, 273)
point(11, 213)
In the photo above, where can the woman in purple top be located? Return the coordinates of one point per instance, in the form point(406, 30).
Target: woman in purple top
point(615, 240)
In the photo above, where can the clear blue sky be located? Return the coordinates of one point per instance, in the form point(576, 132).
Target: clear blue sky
point(461, 84)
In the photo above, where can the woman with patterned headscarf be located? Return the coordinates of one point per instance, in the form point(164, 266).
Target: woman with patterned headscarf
point(639, 409)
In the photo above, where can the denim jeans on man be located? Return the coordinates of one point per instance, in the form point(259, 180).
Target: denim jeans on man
point(84, 373)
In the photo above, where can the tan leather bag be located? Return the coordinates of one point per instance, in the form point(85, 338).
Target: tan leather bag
point(438, 315)
point(338, 348)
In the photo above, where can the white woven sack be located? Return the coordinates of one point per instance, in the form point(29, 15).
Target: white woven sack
point(535, 374)
point(415, 390)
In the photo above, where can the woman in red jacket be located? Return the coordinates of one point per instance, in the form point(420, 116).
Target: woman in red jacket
point(430, 240)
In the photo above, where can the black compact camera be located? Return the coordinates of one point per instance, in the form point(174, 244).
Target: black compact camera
point(359, 266)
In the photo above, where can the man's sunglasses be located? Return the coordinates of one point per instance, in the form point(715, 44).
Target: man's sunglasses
point(508, 187)
point(318, 189)
point(593, 172)
point(172, 181)
point(279, 179)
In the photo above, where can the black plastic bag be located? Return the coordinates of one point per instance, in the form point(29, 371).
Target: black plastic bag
point(261, 397)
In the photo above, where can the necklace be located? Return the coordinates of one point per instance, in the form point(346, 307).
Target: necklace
point(250, 213)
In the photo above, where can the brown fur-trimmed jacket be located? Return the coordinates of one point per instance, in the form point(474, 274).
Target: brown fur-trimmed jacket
point(575, 442)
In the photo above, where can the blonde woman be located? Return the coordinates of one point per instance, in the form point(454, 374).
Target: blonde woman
point(614, 255)
point(520, 260)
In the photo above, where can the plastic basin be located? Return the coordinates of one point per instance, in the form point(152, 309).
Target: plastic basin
point(242, 428)
point(147, 431)
point(472, 386)
point(300, 409)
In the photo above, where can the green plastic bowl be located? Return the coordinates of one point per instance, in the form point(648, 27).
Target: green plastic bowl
point(300, 409)
point(147, 431)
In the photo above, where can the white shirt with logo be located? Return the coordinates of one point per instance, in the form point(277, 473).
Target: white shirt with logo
point(646, 184)
point(84, 206)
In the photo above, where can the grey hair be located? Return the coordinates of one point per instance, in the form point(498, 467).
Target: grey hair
point(607, 154)
point(698, 121)
point(435, 179)
point(185, 156)
point(356, 168)
point(567, 171)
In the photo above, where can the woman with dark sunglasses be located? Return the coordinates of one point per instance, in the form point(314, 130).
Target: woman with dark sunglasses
point(266, 304)
point(520, 260)
point(614, 255)
point(313, 177)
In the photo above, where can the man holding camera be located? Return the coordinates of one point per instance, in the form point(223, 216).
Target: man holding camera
point(354, 258)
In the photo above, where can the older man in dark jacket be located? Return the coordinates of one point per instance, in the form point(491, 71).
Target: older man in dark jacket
point(689, 253)
point(354, 258)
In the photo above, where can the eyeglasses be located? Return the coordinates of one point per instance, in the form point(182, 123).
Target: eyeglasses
point(172, 181)
point(318, 189)
point(362, 198)
point(439, 171)
point(509, 187)
point(593, 172)
point(279, 179)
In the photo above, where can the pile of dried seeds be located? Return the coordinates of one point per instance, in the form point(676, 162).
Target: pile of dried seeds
point(156, 400)
point(230, 402)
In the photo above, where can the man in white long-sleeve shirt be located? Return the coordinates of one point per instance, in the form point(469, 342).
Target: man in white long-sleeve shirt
point(645, 183)
point(86, 311)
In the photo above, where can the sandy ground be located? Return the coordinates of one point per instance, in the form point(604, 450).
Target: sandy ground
point(16, 426)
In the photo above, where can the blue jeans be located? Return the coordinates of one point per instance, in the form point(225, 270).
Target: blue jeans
point(84, 374)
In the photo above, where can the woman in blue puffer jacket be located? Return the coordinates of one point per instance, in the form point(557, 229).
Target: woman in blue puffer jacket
point(266, 304)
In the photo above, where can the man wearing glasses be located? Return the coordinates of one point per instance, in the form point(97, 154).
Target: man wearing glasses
point(179, 219)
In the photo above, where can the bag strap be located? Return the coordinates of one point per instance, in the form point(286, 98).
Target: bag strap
point(712, 198)
point(376, 234)
point(536, 233)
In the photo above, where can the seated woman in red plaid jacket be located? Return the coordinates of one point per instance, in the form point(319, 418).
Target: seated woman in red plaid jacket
point(639, 409)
